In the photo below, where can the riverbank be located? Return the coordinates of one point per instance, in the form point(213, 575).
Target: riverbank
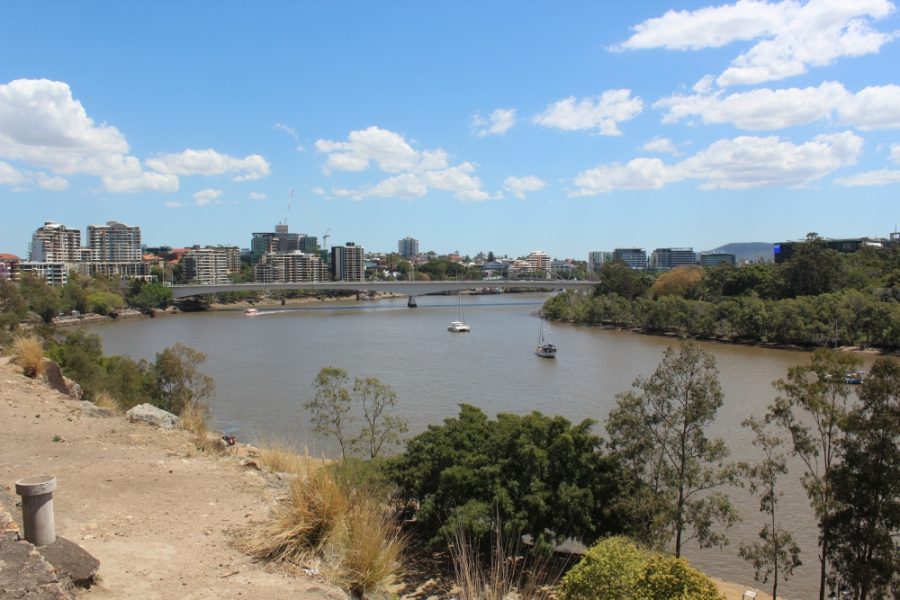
point(155, 511)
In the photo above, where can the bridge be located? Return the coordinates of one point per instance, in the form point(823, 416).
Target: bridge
point(407, 288)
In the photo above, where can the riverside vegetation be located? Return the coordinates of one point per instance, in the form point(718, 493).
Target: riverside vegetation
point(818, 298)
point(476, 480)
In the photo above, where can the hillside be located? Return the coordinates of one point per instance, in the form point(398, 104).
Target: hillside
point(748, 251)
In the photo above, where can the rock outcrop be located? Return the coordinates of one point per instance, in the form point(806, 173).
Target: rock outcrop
point(148, 413)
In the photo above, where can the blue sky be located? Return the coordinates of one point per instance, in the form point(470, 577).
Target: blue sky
point(472, 126)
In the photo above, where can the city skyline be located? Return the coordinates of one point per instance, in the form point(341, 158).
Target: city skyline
point(500, 128)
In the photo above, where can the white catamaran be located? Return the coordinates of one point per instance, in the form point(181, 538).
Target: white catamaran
point(544, 348)
point(459, 325)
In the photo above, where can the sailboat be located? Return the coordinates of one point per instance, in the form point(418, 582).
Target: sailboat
point(459, 325)
point(544, 348)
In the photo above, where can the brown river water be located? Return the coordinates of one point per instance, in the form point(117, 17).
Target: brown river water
point(264, 367)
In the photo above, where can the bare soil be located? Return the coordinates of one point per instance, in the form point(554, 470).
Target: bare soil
point(156, 512)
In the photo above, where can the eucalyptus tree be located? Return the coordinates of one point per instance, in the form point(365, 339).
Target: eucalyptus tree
point(776, 554)
point(812, 406)
point(659, 430)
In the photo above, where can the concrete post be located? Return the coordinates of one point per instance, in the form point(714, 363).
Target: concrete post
point(411, 303)
point(37, 508)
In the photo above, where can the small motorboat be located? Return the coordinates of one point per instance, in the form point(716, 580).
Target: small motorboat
point(251, 312)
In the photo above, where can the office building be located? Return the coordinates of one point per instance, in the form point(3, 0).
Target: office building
point(55, 243)
point(347, 262)
point(635, 258)
point(664, 259)
point(408, 247)
point(713, 259)
point(114, 242)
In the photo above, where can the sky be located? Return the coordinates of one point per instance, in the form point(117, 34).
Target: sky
point(566, 127)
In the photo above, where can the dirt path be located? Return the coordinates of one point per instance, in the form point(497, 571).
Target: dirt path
point(146, 503)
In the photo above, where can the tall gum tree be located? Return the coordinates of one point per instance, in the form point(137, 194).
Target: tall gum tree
point(813, 404)
point(659, 430)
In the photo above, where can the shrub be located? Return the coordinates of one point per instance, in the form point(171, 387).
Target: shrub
point(28, 353)
point(108, 401)
point(617, 568)
point(373, 548)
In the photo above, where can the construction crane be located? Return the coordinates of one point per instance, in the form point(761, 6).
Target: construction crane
point(290, 201)
point(325, 239)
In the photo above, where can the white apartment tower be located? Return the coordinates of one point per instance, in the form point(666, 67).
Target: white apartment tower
point(114, 242)
point(206, 266)
point(55, 243)
point(540, 263)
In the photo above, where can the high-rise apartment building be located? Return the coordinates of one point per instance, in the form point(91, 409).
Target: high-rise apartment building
point(205, 266)
point(408, 247)
point(281, 240)
point(289, 267)
point(664, 259)
point(55, 243)
point(539, 262)
point(635, 258)
point(347, 262)
point(114, 242)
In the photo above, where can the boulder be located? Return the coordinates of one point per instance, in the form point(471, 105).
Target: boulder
point(154, 416)
point(89, 409)
point(55, 379)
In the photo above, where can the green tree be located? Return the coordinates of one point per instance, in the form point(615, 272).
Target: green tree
point(330, 406)
point(105, 303)
point(618, 278)
point(659, 429)
point(866, 486)
point(813, 269)
point(149, 296)
point(537, 474)
point(179, 382)
point(776, 554)
point(379, 429)
point(13, 307)
point(42, 298)
point(812, 406)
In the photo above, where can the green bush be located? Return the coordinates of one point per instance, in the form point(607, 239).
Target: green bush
point(616, 568)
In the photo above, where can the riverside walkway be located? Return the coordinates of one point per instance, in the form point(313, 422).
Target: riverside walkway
point(407, 288)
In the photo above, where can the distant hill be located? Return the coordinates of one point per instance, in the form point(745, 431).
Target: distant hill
point(748, 251)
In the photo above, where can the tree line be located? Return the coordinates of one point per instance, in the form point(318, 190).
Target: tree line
point(818, 298)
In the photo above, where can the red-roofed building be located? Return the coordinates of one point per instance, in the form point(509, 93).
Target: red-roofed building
point(9, 266)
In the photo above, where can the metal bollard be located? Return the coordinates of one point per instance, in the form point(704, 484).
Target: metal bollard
point(37, 508)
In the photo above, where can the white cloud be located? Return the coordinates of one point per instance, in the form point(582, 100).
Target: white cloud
point(603, 113)
point(318, 191)
point(207, 196)
point(257, 196)
point(895, 153)
point(43, 125)
point(414, 172)
point(497, 123)
point(55, 183)
point(740, 163)
point(9, 175)
point(876, 107)
point(288, 130)
point(148, 181)
point(662, 146)
point(790, 37)
point(389, 150)
point(174, 204)
point(209, 162)
point(519, 186)
point(869, 178)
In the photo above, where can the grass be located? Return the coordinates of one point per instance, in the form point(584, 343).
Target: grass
point(109, 402)
point(353, 537)
point(282, 457)
point(505, 574)
point(28, 353)
point(195, 418)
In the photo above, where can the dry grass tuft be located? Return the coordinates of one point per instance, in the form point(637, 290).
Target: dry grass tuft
point(109, 402)
point(282, 457)
point(353, 537)
point(195, 418)
point(508, 574)
point(28, 353)
point(373, 550)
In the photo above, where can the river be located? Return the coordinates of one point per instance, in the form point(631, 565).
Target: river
point(264, 367)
